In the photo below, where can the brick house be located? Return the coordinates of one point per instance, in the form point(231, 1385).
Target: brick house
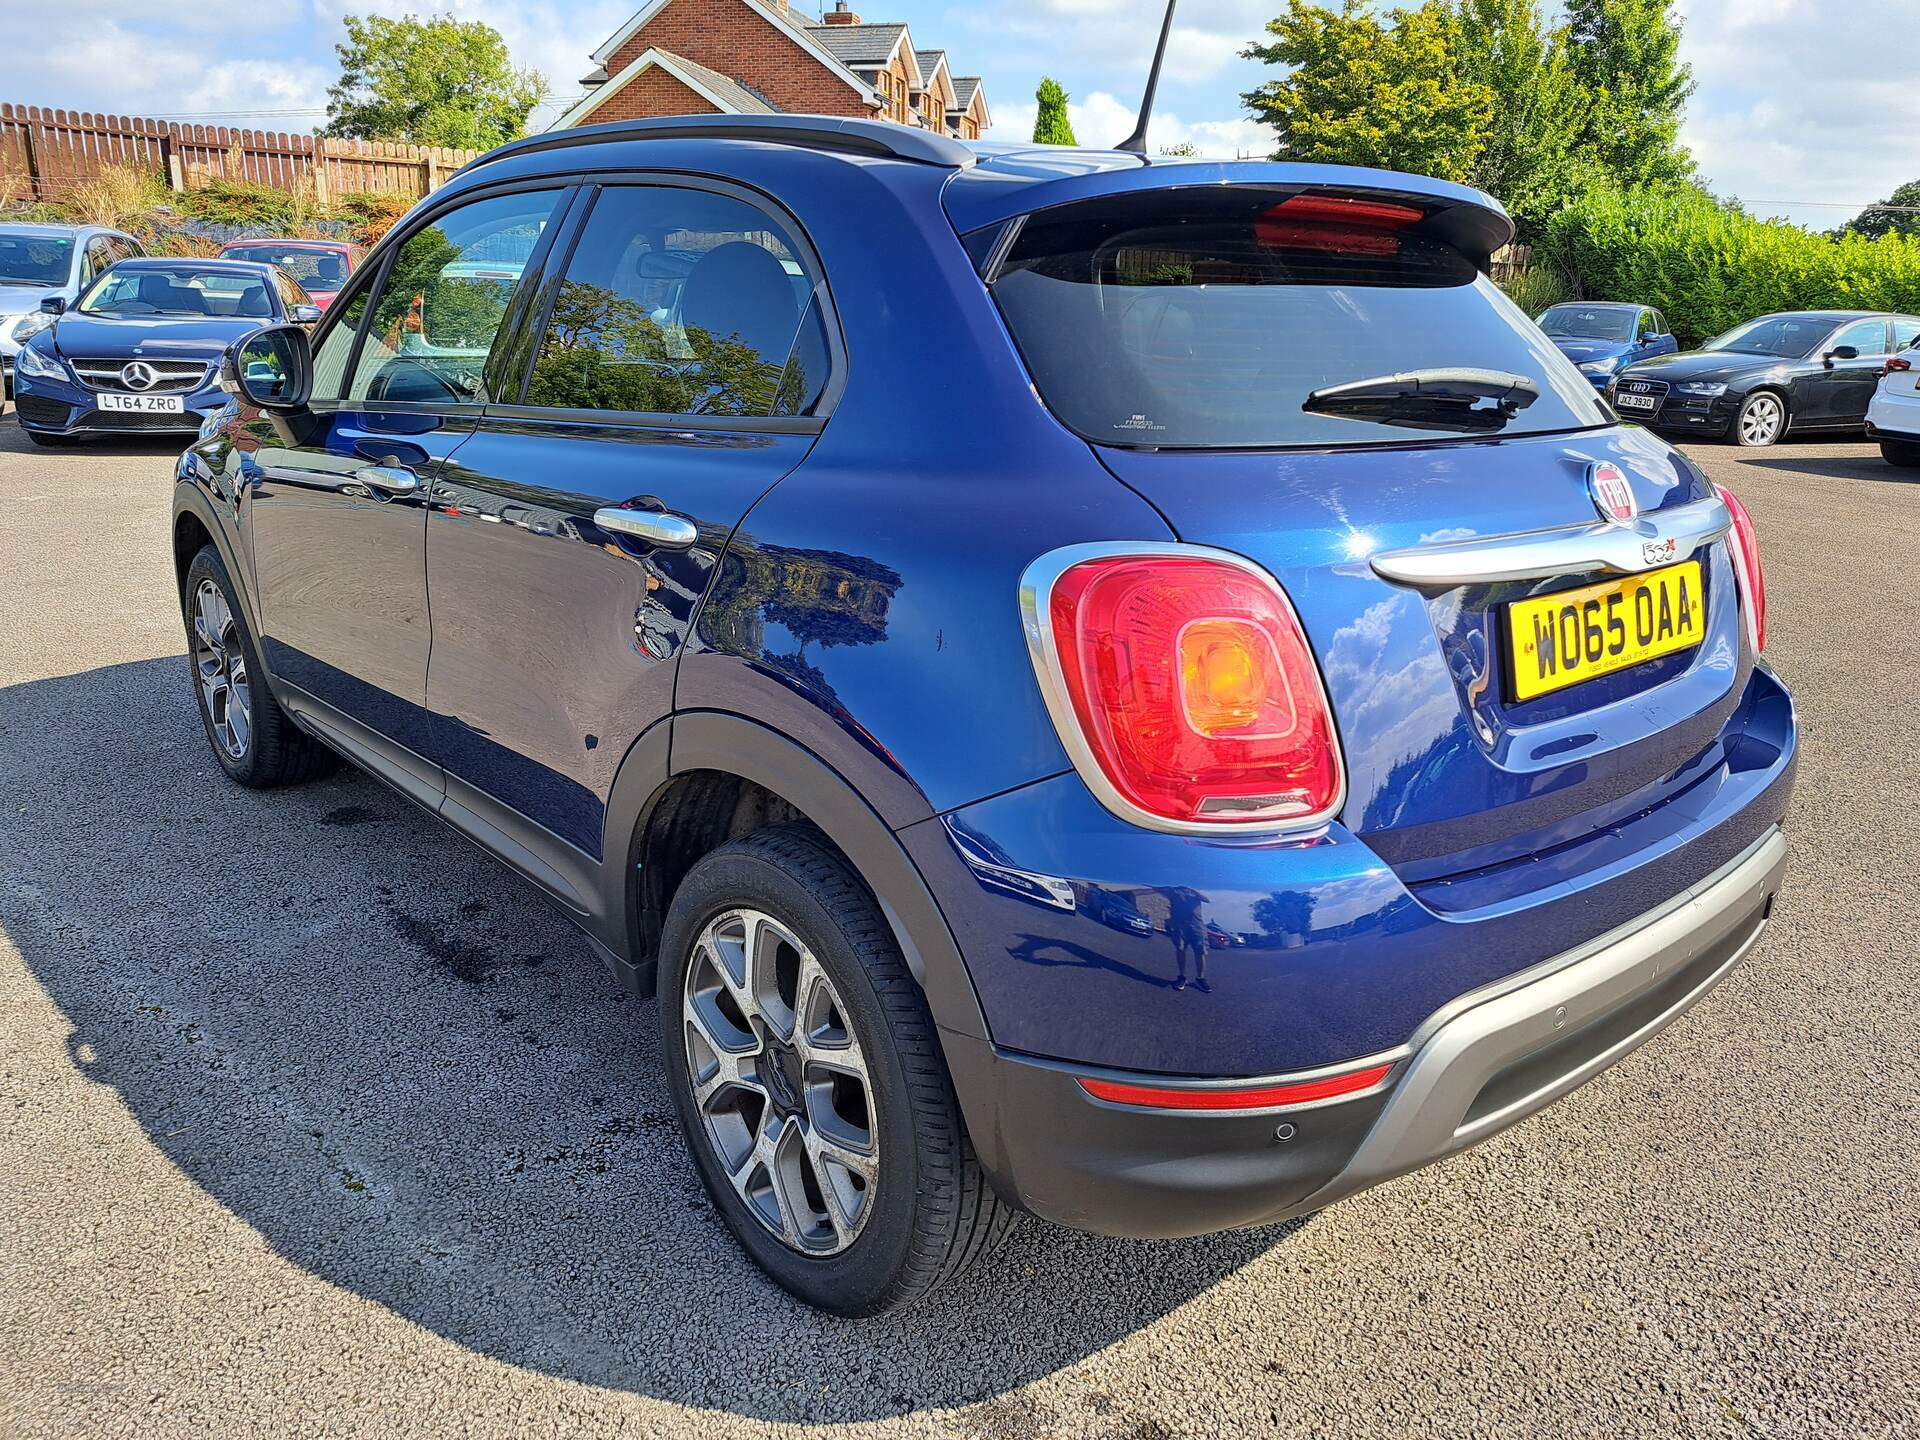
point(761, 57)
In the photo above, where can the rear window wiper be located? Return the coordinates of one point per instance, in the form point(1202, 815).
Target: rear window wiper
point(1441, 399)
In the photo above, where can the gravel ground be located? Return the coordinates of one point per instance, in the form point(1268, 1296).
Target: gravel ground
point(315, 1121)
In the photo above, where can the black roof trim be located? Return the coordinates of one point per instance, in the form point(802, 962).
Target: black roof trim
point(814, 132)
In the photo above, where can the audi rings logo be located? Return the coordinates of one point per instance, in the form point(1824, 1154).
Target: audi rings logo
point(139, 376)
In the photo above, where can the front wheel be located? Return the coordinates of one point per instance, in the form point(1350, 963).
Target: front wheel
point(1903, 453)
point(252, 738)
point(1762, 420)
point(809, 1083)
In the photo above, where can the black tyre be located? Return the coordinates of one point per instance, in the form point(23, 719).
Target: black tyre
point(1903, 453)
point(809, 1083)
point(1762, 419)
point(252, 738)
point(49, 442)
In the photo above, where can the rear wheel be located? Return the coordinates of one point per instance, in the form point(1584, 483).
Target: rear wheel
point(252, 738)
point(1904, 453)
point(1762, 420)
point(809, 1083)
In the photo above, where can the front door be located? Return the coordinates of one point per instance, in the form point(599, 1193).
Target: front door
point(338, 501)
point(669, 379)
point(1838, 390)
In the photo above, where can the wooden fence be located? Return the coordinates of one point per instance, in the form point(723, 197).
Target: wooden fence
point(48, 152)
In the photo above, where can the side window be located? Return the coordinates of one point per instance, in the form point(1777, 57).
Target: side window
point(336, 349)
point(681, 302)
point(1660, 324)
point(99, 258)
point(1905, 332)
point(1649, 327)
point(1869, 337)
point(443, 298)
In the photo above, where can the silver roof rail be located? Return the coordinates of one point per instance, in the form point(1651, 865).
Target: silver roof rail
point(815, 132)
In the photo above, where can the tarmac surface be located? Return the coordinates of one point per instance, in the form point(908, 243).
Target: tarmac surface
point(315, 1121)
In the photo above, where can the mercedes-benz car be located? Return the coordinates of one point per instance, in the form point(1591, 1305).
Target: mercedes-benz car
point(48, 262)
point(141, 349)
point(1804, 370)
point(1147, 694)
point(1602, 336)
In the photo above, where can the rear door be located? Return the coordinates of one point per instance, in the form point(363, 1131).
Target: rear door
point(1187, 340)
point(336, 510)
point(671, 373)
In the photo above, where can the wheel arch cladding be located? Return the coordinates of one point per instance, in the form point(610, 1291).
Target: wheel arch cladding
point(714, 754)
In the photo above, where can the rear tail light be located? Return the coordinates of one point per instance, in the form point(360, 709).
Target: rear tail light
point(1278, 1096)
point(1744, 544)
point(1184, 688)
point(1894, 363)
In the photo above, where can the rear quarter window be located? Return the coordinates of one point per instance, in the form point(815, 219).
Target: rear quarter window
point(1205, 319)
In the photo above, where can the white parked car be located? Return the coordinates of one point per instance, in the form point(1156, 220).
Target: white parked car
point(1893, 415)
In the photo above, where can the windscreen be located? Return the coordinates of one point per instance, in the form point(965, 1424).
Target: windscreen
point(1209, 318)
point(145, 293)
point(1791, 337)
point(35, 259)
point(314, 268)
point(1588, 322)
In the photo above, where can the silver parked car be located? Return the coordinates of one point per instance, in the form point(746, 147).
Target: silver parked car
point(42, 262)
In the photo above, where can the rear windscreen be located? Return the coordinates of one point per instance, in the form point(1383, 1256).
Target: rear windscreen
point(1207, 318)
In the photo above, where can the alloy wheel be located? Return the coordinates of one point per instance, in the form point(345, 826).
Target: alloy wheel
point(220, 661)
point(781, 1085)
point(1760, 420)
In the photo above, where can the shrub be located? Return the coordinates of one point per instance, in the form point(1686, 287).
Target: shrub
point(1536, 285)
point(121, 196)
point(240, 202)
point(180, 242)
point(371, 212)
point(1708, 267)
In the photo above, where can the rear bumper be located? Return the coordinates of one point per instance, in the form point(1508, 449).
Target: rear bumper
point(1474, 1067)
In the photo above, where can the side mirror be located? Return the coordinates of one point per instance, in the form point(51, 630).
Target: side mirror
point(271, 369)
point(54, 305)
point(1842, 352)
point(304, 314)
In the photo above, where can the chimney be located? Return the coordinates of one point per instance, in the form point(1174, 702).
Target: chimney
point(840, 15)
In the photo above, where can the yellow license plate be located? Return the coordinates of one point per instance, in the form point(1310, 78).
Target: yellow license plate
point(1560, 640)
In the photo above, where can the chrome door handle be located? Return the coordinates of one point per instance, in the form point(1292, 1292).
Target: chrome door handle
point(650, 527)
point(388, 479)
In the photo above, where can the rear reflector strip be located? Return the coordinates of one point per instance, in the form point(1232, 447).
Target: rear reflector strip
point(1260, 1097)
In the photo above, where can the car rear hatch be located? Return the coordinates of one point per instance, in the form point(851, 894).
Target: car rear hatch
point(1526, 623)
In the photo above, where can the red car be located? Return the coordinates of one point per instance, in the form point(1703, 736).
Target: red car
point(321, 266)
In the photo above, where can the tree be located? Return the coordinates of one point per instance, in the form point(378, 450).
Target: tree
point(1364, 92)
point(433, 82)
point(1625, 55)
point(1050, 123)
point(1899, 212)
point(1535, 159)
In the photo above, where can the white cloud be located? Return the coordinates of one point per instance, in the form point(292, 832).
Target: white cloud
point(1804, 106)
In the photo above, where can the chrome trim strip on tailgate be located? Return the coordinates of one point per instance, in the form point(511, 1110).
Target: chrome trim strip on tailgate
point(1657, 538)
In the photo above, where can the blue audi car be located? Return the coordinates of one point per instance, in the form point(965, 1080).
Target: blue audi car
point(1150, 695)
point(140, 349)
point(1602, 338)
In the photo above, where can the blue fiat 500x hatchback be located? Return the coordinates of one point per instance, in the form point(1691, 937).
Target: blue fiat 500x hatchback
point(1143, 693)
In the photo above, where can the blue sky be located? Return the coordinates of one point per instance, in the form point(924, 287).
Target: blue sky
point(1804, 109)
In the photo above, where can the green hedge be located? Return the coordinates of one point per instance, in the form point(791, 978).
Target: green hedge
point(1707, 268)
